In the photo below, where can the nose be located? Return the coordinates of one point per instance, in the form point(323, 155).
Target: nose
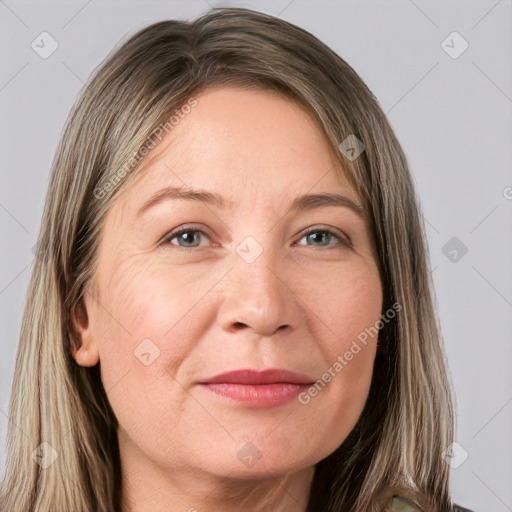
point(259, 297)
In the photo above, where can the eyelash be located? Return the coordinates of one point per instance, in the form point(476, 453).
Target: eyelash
point(342, 241)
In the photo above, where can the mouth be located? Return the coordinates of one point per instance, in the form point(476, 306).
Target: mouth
point(258, 389)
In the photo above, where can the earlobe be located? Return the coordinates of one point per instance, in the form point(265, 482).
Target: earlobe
point(83, 347)
point(86, 355)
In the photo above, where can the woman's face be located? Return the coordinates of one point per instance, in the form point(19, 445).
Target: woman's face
point(245, 287)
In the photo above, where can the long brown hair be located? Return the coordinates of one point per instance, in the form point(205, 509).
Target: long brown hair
point(407, 422)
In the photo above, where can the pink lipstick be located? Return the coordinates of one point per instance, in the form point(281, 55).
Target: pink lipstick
point(258, 389)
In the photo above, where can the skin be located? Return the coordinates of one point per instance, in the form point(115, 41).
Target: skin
point(298, 306)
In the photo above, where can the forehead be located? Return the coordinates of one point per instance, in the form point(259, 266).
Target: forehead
point(247, 145)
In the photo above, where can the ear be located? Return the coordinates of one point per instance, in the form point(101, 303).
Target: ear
point(83, 347)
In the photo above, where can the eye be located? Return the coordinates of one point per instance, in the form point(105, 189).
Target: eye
point(324, 236)
point(188, 238)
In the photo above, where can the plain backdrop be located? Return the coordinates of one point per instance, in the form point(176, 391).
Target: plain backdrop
point(451, 107)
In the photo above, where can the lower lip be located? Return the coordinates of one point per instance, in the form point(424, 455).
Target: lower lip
point(261, 396)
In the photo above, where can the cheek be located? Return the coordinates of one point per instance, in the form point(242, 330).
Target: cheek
point(137, 365)
point(143, 314)
point(349, 307)
point(344, 304)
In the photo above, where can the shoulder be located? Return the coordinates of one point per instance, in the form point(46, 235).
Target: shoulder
point(403, 504)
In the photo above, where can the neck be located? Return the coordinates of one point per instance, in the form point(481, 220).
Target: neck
point(147, 487)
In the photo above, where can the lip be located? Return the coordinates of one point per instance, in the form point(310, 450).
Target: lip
point(256, 377)
point(258, 389)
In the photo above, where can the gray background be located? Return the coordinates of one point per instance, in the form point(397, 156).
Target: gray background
point(452, 116)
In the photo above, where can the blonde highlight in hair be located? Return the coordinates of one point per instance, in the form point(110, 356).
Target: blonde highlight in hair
point(398, 442)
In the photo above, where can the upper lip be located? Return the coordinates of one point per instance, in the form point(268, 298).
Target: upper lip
point(272, 376)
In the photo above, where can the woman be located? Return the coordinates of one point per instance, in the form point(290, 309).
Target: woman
point(187, 343)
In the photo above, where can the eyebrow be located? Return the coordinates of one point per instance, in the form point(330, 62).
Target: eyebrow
point(304, 202)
